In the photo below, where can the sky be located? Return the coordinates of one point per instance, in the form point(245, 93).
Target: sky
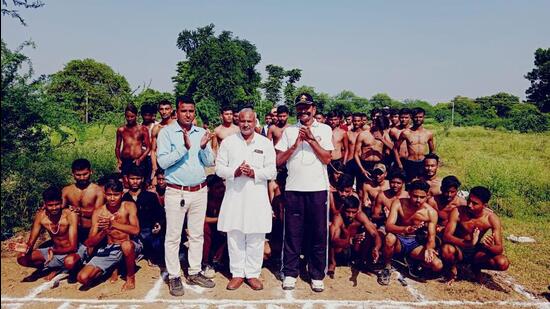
point(429, 50)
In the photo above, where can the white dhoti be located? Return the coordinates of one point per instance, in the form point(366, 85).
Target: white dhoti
point(246, 253)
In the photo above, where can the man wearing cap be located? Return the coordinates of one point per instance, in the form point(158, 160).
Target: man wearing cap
point(306, 149)
point(183, 152)
point(376, 184)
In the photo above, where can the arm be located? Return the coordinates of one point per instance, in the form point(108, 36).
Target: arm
point(154, 137)
point(222, 162)
point(371, 229)
point(215, 143)
point(166, 156)
point(269, 170)
point(357, 155)
point(270, 133)
point(73, 235)
point(206, 154)
point(377, 208)
point(95, 236)
point(495, 247)
point(146, 142)
point(345, 142)
point(337, 237)
point(117, 146)
point(396, 148)
point(35, 231)
point(450, 228)
point(431, 143)
point(391, 226)
point(432, 224)
point(283, 151)
point(323, 155)
point(133, 227)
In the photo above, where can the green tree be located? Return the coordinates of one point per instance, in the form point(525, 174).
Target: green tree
point(502, 102)
point(539, 92)
point(412, 103)
point(272, 86)
point(381, 100)
point(293, 76)
point(152, 96)
point(526, 118)
point(217, 69)
point(90, 88)
point(347, 102)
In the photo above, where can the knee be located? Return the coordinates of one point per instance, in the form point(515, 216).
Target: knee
point(70, 261)
point(83, 277)
point(390, 240)
point(448, 252)
point(23, 260)
point(501, 262)
point(437, 265)
point(127, 247)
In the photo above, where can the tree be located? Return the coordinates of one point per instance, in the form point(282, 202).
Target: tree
point(22, 3)
point(526, 118)
point(381, 100)
point(152, 96)
point(90, 88)
point(272, 86)
point(502, 102)
point(413, 103)
point(294, 76)
point(217, 69)
point(539, 92)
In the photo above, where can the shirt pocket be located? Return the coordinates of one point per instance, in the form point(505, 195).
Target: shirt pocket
point(257, 159)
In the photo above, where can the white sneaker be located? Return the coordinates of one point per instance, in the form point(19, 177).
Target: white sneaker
point(289, 283)
point(317, 285)
point(209, 272)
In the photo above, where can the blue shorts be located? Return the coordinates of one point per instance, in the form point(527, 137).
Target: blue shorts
point(110, 255)
point(408, 243)
point(58, 260)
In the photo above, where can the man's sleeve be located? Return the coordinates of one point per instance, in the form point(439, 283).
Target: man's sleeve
point(222, 162)
point(167, 157)
point(206, 155)
point(269, 170)
point(326, 139)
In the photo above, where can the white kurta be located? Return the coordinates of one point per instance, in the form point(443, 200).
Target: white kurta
point(245, 205)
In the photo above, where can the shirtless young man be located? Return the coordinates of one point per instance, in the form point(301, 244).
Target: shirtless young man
point(134, 140)
point(61, 225)
point(165, 111)
point(384, 199)
point(371, 148)
point(275, 132)
point(416, 138)
point(225, 129)
point(82, 197)
point(394, 118)
point(352, 230)
point(395, 132)
point(447, 201)
point(118, 221)
point(339, 138)
point(356, 129)
point(320, 117)
point(372, 187)
point(148, 113)
point(407, 217)
point(431, 164)
point(466, 239)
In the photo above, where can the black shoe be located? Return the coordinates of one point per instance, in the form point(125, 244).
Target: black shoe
point(384, 276)
point(175, 286)
point(200, 280)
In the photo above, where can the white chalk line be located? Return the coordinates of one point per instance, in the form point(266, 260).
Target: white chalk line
point(520, 289)
point(234, 302)
point(155, 290)
point(64, 305)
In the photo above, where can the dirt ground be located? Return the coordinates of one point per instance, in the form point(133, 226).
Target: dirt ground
point(347, 289)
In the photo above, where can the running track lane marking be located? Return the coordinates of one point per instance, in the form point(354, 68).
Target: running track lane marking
point(197, 302)
point(155, 290)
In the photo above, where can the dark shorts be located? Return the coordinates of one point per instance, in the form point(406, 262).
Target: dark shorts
point(367, 165)
point(147, 168)
point(408, 243)
point(469, 253)
point(413, 169)
point(127, 165)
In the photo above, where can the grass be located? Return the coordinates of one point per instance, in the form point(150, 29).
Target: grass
point(515, 167)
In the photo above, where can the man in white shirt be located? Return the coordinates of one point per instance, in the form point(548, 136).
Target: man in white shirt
point(246, 161)
point(306, 149)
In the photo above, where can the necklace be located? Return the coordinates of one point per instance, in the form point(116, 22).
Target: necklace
point(58, 227)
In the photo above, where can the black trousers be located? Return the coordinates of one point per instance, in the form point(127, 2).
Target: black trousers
point(306, 224)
